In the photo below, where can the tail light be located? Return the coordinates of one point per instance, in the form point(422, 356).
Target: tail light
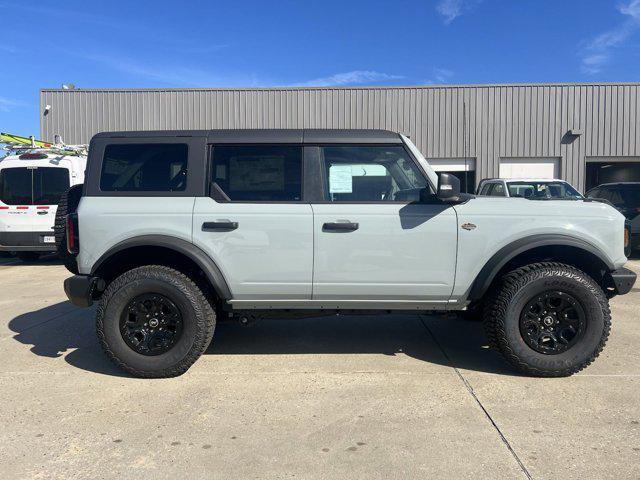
point(73, 246)
point(626, 237)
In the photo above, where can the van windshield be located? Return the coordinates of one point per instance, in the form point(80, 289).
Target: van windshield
point(33, 186)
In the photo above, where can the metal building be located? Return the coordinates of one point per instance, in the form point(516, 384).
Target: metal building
point(584, 133)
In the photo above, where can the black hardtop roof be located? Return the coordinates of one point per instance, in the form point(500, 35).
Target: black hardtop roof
point(268, 136)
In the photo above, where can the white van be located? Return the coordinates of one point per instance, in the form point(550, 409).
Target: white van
point(31, 183)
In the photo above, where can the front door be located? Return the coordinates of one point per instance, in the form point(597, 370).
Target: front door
point(257, 229)
point(373, 239)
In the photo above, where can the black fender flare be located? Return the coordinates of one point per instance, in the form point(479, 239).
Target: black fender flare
point(188, 249)
point(488, 273)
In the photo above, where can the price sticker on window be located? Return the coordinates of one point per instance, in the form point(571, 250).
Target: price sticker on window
point(340, 179)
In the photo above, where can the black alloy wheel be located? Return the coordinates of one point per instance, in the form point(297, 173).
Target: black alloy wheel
point(552, 322)
point(151, 324)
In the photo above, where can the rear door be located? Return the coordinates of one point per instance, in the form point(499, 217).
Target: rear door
point(255, 225)
point(373, 239)
point(29, 197)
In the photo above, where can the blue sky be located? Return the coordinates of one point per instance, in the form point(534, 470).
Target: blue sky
point(238, 43)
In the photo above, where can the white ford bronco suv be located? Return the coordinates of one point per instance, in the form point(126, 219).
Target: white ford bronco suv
point(175, 228)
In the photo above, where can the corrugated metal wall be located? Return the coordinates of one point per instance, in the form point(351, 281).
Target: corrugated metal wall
point(482, 122)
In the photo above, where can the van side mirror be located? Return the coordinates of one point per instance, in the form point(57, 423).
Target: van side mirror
point(448, 187)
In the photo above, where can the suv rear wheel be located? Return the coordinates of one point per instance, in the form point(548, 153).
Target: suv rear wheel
point(154, 322)
point(548, 319)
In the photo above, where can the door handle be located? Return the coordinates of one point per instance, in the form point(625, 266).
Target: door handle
point(219, 226)
point(340, 227)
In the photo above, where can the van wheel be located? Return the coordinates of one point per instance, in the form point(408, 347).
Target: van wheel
point(68, 204)
point(154, 322)
point(548, 319)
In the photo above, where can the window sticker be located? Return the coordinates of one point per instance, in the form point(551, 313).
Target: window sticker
point(340, 179)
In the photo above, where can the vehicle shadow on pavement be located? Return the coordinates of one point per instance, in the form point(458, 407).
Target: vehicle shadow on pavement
point(64, 331)
point(445, 341)
point(45, 260)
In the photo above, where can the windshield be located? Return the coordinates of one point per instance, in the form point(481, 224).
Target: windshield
point(33, 186)
point(631, 195)
point(543, 190)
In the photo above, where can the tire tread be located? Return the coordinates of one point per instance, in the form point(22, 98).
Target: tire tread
point(499, 299)
point(205, 318)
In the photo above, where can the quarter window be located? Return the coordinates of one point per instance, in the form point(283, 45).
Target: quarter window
point(370, 174)
point(258, 173)
point(156, 167)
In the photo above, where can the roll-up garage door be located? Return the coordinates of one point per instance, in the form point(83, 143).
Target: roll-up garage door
point(541, 168)
point(463, 168)
point(612, 170)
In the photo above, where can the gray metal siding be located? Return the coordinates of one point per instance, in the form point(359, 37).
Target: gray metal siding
point(482, 122)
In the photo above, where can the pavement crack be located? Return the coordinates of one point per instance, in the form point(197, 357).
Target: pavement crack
point(469, 388)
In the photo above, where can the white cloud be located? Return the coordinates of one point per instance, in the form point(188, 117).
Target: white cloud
point(6, 104)
point(440, 75)
point(599, 50)
point(170, 75)
point(185, 76)
point(356, 77)
point(452, 9)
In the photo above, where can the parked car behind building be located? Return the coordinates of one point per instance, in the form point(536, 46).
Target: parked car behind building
point(534, 189)
point(625, 197)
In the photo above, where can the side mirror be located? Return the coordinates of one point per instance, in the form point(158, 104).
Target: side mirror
point(448, 187)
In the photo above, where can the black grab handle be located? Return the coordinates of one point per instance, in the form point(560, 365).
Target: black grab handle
point(223, 226)
point(340, 226)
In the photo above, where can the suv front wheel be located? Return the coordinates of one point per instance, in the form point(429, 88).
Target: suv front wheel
point(548, 319)
point(154, 322)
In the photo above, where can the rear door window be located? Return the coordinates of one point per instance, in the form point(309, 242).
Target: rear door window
point(155, 167)
point(15, 186)
point(497, 190)
point(258, 173)
point(49, 184)
point(485, 189)
point(33, 186)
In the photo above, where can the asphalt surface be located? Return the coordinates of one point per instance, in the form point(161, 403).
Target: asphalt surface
point(337, 397)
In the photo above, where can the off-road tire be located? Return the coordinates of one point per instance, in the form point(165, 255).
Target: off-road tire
point(68, 204)
point(197, 315)
point(502, 317)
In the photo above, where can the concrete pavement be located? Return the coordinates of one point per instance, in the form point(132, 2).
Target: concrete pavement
point(337, 397)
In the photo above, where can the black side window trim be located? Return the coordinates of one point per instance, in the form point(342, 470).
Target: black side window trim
point(196, 178)
point(215, 192)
